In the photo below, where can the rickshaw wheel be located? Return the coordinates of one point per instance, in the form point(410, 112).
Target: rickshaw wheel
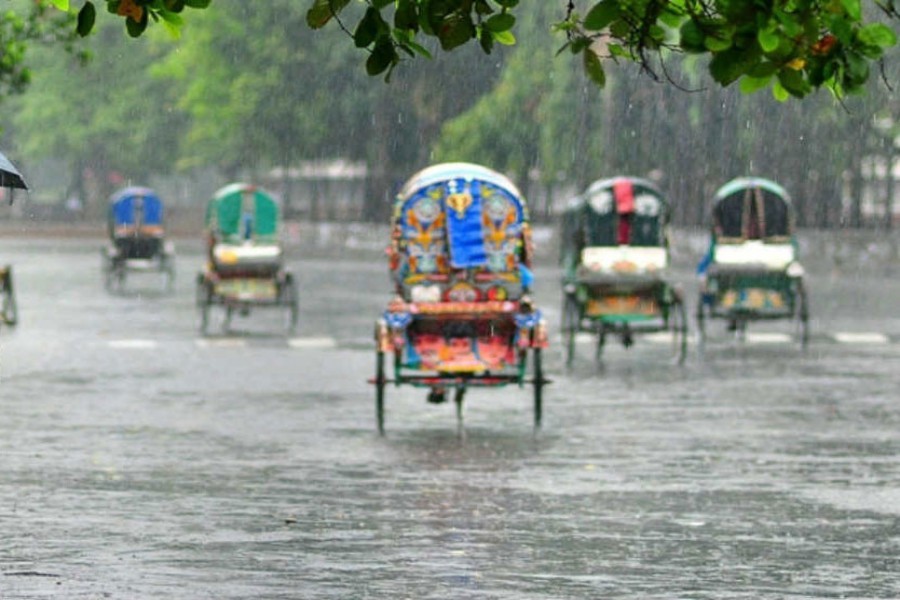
point(601, 342)
point(570, 327)
point(802, 315)
point(380, 384)
point(701, 323)
point(679, 329)
point(168, 271)
point(538, 383)
point(204, 301)
point(9, 310)
point(290, 298)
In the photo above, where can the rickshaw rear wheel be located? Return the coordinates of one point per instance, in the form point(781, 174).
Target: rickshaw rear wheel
point(538, 383)
point(701, 324)
point(601, 342)
point(570, 326)
point(802, 315)
point(678, 327)
point(204, 301)
point(380, 384)
point(168, 271)
point(9, 311)
point(290, 298)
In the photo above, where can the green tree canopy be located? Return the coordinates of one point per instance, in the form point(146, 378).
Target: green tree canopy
point(791, 46)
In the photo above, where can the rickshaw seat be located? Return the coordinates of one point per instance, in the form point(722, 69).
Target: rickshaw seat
point(138, 247)
point(625, 259)
point(770, 256)
point(241, 257)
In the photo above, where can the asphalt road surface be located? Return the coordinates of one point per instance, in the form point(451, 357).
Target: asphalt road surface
point(143, 460)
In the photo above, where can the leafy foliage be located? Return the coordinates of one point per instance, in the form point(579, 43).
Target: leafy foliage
point(794, 46)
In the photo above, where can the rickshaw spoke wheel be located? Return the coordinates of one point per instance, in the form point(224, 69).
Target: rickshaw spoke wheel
point(204, 302)
point(538, 383)
point(380, 384)
point(701, 324)
point(601, 342)
point(802, 316)
point(570, 327)
point(679, 329)
point(458, 398)
point(10, 310)
point(290, 298)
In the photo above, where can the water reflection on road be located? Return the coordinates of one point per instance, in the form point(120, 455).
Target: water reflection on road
point(141, 463)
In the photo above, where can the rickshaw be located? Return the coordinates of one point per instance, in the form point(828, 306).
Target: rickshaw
point(136, 238)
point(751, 271)
point(615, 253)
point(461, 315)
point(245, 258)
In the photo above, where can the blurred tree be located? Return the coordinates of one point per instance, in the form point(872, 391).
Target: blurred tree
point(115, 119)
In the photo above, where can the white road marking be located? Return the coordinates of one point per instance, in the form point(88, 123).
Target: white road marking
point(658, 337)
point(847, 337)
point(313, 342)
point(133, 344)
point(768, 338)
point(221, 343)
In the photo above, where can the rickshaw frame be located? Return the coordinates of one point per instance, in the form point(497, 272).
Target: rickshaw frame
point(516, 319)
point(659, 305)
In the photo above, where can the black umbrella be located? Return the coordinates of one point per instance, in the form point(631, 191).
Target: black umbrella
point(10, 176)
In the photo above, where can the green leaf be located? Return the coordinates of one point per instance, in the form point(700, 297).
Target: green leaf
point(456, 30)
point(718, 41)
point(768, 39)
point(136, 28)
point(750, 85)
point(853, 8)
point(877, 34)
point(779, 93)
point(60, 4)
point(86, 18)
point(405, 15)
point(486, 41)
point(692, 38)
point(793, 81)
point(197, 3)
point(382, 57)
point(171, 18)
point(504, 37)
point(602, 14)
point(726, 67)
point(594, 68)
point(501, 22)
point(368, 28)
point(322, 11)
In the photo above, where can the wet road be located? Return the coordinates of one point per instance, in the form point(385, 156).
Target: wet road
point(141, 461)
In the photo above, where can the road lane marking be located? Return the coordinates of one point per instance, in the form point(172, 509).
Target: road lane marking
point(769, 338)
point(659, 337)
point(313, 342)
point(221, 343)
point(133, 344)
point(863, 337)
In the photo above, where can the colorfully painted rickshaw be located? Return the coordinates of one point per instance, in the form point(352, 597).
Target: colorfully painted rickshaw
point(751, 271)
point(245, 257)
point(615, 255)
point(137, 241)
point(462, 315)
